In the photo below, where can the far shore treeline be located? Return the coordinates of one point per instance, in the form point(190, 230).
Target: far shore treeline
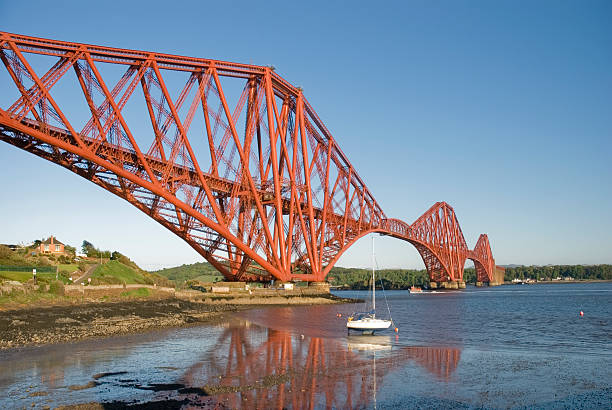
point(355, 278)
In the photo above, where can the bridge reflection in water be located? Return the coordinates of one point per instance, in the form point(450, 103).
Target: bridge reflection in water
point(264, 368)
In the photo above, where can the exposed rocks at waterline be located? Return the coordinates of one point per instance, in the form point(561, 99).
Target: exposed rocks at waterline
point(63, 323)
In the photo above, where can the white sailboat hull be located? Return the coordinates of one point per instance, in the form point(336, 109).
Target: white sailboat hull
point(368, 324)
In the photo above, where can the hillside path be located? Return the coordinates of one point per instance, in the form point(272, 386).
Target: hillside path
point(87, 274)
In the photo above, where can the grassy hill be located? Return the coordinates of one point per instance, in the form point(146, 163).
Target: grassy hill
point(201, 271)
point(115, 272)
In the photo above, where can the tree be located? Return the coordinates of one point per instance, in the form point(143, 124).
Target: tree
point(70, 249)
point(86, 246)
point(89, 249)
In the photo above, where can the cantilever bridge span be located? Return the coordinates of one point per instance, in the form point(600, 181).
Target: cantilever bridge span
point(230, 157)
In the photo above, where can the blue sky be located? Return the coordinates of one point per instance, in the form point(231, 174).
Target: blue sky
point(502, 109)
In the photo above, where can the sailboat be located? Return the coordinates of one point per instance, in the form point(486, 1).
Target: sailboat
point(367, 322)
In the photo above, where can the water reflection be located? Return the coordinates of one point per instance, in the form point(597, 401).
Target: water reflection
point(255, 366)
point(48, 365)
point(235, 364)
point(368, 343)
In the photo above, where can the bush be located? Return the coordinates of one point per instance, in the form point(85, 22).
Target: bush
point(5, 252)
point(57, 288)
point(64, 259)
point(44, 261)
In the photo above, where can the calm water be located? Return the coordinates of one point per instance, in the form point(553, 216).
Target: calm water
point(511, 346)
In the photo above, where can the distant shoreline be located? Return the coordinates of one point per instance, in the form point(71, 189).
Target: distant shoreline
point(550, 282)
point(503, 284)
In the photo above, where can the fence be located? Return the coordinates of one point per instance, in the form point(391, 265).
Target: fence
point(39, 269)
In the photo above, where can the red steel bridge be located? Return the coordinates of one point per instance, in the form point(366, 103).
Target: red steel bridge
point(230, 157)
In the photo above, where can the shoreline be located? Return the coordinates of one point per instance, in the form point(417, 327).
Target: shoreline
point(554, 282)
point(501, 284)
point(60, 323)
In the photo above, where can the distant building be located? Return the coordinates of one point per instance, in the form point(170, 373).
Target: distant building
point(12, 247)
point(51, 246)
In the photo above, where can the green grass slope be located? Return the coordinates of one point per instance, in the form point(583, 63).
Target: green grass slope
point(201, 271)
point(115, 272)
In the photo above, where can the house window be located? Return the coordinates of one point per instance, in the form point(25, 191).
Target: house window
point(46, 248)
point(57, 248)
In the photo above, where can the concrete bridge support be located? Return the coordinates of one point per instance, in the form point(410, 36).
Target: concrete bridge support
point(322, 287)
point(459, 284)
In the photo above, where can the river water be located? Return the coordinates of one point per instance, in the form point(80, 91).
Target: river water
point(511, 346)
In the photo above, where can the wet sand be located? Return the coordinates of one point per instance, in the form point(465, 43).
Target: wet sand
point(33, 326)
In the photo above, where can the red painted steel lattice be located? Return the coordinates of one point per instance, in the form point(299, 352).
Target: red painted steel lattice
point(230, 157)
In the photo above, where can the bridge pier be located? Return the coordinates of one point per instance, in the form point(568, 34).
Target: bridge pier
point(320, 287)
point(449, 285)
point(459, 284)
point(453, 284)
point(480, 284)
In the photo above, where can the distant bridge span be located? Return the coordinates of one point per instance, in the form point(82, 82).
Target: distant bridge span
point(230, 157)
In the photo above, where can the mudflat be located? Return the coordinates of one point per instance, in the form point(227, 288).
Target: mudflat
point(30, 326)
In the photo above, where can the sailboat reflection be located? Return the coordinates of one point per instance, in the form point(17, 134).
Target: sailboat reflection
point(265, 368)
point(368, 343)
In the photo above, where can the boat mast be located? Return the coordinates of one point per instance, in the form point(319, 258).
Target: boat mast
point(373, 280)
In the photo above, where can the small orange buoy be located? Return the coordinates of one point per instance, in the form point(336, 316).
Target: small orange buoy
point(581, 313)
point(396, 330)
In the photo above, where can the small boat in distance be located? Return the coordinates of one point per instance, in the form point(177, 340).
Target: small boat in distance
point(366, 322)
point(415, 289)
